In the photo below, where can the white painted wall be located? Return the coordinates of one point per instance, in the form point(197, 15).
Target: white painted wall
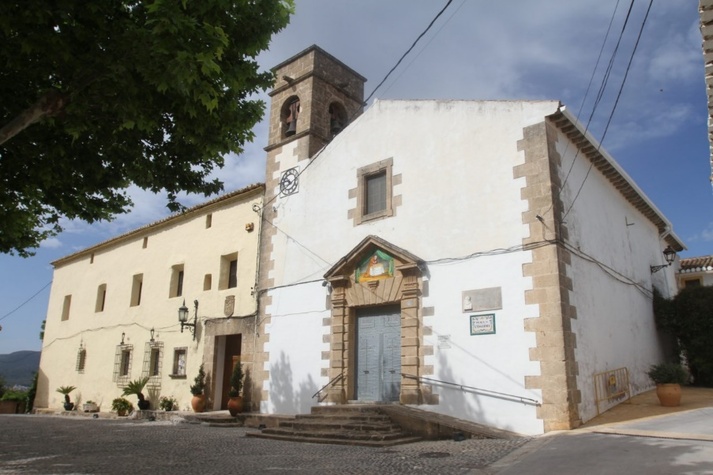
point(497, 362)
point(459, 197)
point(296, 344)
point(612, 280)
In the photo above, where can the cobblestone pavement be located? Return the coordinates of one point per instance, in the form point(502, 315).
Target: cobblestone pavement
point(58, 445)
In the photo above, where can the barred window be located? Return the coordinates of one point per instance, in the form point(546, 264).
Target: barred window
point(153, 356)
point(81, 359)
point(122, 365)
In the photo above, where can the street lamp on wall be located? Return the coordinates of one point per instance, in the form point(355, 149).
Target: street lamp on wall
point(183, 318)
point(670, 255)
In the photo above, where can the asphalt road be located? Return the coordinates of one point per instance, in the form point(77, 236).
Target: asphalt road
point(77, 445)
point(31, 444)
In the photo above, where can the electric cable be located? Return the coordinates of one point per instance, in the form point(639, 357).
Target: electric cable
point(616, 103)
point(25, 302)
point(319, 152)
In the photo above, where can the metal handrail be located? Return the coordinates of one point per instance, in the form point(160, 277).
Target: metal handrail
point(334, 380)
point(485, 392)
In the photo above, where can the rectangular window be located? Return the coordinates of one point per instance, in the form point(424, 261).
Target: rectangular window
point(125, 363)
point(233, 274)
point(153, 357)
point(692, 283)
point(176, 289)
point(179, 362)
point(122, 364)
point(65, 307)
point(101, 298)
point(155, 364)
point(208, 221)
point(374, 191)
point(81, 360)
point(228, 271)
point(136, 287)
point(207, 282)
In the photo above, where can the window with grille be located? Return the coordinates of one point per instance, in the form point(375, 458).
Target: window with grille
point(153, 356)
point(122, 364)
point(81, 359)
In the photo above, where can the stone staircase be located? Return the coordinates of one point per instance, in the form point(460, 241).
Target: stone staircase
point(352, 424)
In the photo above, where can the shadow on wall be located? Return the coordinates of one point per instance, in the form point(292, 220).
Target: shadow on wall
point(284, 395)
point(453, 400)
point(43, 393)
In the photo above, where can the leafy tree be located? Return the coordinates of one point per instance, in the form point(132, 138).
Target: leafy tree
point(689, 317)
point(96, 96)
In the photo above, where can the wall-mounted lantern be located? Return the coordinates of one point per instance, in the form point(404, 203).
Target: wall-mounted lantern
point(183, 318)
point(670, 255)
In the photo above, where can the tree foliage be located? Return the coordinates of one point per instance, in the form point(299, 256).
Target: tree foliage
point(689, 317)
point(97, 96)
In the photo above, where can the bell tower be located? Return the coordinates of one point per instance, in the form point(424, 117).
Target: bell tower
point(315, 96)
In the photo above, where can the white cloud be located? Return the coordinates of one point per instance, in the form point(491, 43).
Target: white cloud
point(51, 243)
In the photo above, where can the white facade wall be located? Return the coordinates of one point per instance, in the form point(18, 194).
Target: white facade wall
point(182, 240)
point(615, 326)
point(498, 362)
point(458, 197)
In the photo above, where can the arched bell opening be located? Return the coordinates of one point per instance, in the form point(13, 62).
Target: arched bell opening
point(337, 118)
point(288, 116)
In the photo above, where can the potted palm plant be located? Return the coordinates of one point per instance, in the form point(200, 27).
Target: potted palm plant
point(668, 378)
point(197, 388)
point(235, 403)
point(122, 406)
point(136, 388)
point(68, 405)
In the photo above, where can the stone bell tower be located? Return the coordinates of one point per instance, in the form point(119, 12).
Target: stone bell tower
point(314, 98)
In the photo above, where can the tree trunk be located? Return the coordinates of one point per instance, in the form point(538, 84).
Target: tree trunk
point(48, 105)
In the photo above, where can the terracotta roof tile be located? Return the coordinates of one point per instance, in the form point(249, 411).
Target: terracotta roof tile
point(696, 264)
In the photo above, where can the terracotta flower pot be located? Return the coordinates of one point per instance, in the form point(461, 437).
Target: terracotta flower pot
point(235, 405)
point(198, 403)
point(669, 394)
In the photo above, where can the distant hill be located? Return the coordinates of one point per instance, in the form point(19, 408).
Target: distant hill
point(19, 367)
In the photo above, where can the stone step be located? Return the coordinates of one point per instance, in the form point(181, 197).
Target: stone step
point(336, 433)
point(347, 409)
point(372, 418)
point(352, 424)
point(347, 425)
point(406, 439)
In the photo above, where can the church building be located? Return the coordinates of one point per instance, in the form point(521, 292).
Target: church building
point(485, 260)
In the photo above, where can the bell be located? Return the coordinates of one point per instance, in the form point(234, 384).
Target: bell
point(291, 128)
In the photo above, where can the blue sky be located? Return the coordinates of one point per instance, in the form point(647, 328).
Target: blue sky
point(478, 49)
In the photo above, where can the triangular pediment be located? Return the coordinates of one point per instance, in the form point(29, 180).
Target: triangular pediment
point(373, 258)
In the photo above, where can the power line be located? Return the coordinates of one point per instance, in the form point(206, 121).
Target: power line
point(25, 302)
point(616, 103)
point(314, 158)
point(408, 50)
point(581, 107)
